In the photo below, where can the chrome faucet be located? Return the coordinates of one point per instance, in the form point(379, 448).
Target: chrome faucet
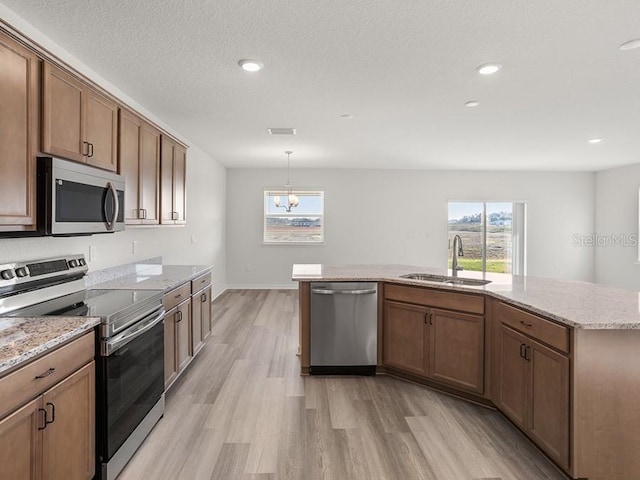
point(457, 251)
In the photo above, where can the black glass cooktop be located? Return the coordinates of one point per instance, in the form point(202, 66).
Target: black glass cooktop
point(109, 305)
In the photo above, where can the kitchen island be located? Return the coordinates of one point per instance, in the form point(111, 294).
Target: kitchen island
point(560, 359)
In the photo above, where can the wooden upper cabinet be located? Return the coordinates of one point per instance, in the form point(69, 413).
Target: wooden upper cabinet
point(139, 159)
point(19, 81)
point(101, 116)
point(78, 123)
point(173, 178)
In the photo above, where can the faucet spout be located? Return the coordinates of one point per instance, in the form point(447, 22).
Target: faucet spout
point(457, 252)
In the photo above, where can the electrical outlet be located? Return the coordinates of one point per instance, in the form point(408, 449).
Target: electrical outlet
point(92, 253)
point(134, 247)
point(193, 239)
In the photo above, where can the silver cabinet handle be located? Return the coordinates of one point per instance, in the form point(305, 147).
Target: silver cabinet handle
point(367, 291)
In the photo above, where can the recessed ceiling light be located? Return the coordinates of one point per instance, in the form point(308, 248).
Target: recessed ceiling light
point(631, 44)
point(472, 103)
point(346, 116)
point(282, 131)
point(488, 68)
point(250, 65)
point(595, 140)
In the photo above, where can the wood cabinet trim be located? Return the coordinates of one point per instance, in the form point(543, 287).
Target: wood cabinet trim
point(546, 331)
point(22, 385)
point(432, 297)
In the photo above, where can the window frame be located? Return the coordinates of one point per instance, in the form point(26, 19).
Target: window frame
point(283, 192)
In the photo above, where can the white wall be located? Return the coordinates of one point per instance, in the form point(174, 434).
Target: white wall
point(206, 195)
point(617, 214)
point(400, 216)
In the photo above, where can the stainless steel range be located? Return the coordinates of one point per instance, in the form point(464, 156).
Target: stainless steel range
point(129, 351)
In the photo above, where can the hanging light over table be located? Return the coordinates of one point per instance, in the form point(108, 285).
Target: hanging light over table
point(292, 200)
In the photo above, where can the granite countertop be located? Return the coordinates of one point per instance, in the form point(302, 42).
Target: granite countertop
point(22, 339)
point(577, 304)
point(155, 277)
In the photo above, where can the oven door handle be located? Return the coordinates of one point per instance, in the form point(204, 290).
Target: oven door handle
point(119, 341)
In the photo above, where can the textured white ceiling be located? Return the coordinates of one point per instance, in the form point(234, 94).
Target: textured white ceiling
point(402, 68)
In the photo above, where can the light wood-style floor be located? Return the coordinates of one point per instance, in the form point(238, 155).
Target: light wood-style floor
point(242, 411)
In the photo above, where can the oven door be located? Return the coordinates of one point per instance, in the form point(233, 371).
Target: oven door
point(130, 381)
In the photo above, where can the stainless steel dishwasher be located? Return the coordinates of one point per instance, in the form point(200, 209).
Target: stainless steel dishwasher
point(344, 328)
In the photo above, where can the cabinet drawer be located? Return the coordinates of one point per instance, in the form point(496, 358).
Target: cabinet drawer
point(200, 282)
point(435, 298)
point(546, 331)
point(22, 385)
point(176, 296)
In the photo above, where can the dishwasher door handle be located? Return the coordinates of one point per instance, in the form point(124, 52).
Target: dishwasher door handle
point(321, 291)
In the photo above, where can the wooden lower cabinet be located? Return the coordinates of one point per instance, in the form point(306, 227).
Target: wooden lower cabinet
point(533, 390)
point(441, 345)
point(406, 337)
point(21, 443)
point(200, 318)
point(456, 349)
point(177, 341)
point(52, 436)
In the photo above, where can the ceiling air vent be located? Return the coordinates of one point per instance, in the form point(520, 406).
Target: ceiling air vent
point(282, 131)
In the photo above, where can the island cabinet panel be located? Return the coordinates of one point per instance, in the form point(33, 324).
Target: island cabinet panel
point(438, 344)
point(19, 81)
point(436, 298)
point(456, 349)
point(533, 390)
point(405, 337)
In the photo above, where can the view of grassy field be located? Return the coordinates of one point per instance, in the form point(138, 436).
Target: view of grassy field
point(499, 245)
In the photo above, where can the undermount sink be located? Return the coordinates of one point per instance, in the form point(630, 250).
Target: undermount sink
point(428, 277)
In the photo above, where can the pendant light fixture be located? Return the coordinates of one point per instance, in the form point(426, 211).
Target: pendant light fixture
point(292, 200)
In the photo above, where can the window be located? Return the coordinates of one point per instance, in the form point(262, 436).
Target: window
point(303, 225)
point(492, 233)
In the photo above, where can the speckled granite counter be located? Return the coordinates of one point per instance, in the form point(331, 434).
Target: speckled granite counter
point(577, 304)
point(156, 277)
point(22, 339)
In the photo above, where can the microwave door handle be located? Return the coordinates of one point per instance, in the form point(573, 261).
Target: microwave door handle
point(116, 207)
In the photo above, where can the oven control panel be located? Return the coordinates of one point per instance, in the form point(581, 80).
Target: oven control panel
point(14, 275)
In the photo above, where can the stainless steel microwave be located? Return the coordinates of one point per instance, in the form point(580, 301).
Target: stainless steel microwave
point(78, 199)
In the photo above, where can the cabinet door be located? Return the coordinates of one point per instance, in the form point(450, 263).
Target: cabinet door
point(179, 185)
point(196, 324)
point(170, 358)
point(166, 181)
point(205, 300)
point(405, 337)
point(62, 114)
point(102, 130)
point(456, 349)
point(150, 174)
point(512, 376)
point(19, 70)
point(549, 414)
point(183, 334)
point(68, 447)
point(129, 157)
point(20, 443)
